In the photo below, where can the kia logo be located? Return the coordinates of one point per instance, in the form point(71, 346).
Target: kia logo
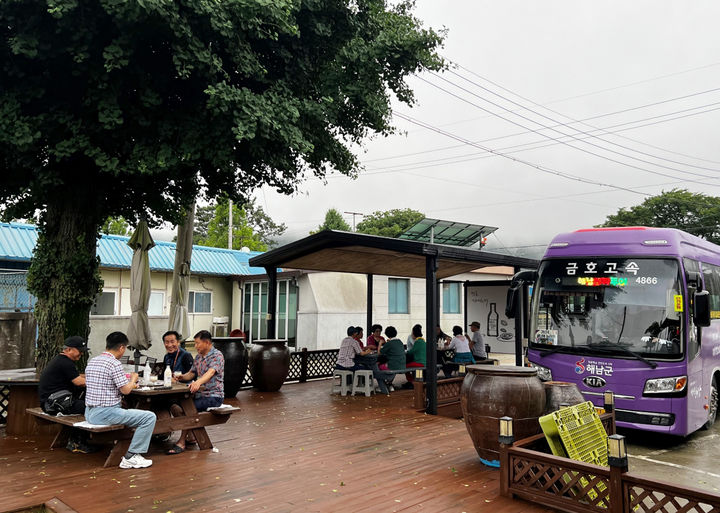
point(594, 381)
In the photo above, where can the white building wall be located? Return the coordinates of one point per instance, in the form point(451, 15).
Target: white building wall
point(119, 281)
point(330, 302)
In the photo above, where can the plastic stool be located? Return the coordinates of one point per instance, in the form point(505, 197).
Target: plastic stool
point(345, 382)
point(363, 382)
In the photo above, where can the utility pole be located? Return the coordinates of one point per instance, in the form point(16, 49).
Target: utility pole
point(230, 228)
point(354, 214)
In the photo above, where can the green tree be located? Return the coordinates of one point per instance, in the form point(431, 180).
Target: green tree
point(141, 107)
point(115, 226)
point(333, 221)
point(203, 215)
point(694, 213)
point(252, 227)
point(390, 223)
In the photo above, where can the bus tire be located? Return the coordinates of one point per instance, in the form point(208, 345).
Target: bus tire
point(712, 405)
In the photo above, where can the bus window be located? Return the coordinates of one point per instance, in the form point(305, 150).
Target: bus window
point(609, 306)
point(692, 339)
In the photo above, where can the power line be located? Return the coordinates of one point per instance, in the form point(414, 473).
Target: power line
point(543, 169)
point(533, 145)
point(539, 132)
point(582, 121)
point(598, 116)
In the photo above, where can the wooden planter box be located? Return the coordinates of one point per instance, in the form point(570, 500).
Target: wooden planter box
point(529, 472)
point(448, 396)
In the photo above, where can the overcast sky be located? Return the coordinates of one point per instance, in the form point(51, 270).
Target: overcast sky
point(585, 61)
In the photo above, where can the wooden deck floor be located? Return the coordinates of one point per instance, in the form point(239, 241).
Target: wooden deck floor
point(296, 450)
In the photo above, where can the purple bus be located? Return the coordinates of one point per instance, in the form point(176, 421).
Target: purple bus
point(636, 311)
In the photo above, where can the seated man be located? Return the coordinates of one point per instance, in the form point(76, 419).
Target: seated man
point(176, 357)
point(209, 369)
point(350, 349)
point(477, 345)
point(61, 374)
point(106, 383)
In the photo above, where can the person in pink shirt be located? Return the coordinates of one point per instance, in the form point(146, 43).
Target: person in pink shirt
point(375, 338)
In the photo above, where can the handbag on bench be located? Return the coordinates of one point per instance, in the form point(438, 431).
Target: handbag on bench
point(58, 402)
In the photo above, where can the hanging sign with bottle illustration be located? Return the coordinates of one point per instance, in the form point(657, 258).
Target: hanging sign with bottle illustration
point(486, 305)
point(493, 321)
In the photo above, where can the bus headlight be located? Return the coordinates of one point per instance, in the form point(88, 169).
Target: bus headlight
point(544, 373)
point(665, 385)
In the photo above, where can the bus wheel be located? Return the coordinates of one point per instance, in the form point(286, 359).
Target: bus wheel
point(712, 405)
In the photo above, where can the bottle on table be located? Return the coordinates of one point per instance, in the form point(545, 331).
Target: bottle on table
point(167, 376)
point(146, 373)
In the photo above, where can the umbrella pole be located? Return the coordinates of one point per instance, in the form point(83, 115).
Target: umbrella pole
point(136, 357)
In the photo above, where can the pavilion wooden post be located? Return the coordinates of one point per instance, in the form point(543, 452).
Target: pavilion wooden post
point(431, 314)
point(272, 300)
point(520, 307)
point(369, 318)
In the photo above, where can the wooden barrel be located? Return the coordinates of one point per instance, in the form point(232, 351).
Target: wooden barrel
point(559, 393)
point(489, 392)
point(269, 362)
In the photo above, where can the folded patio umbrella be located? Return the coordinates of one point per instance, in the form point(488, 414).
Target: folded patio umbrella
point(139, 328)
point(178, 320)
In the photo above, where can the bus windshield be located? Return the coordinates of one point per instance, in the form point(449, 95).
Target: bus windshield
point(624, 307)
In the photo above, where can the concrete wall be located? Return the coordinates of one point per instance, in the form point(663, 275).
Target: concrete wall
point(330, 302)
point(17, 340)
point(119, 281)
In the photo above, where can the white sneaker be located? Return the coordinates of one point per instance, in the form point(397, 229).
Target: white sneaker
point(137, 461)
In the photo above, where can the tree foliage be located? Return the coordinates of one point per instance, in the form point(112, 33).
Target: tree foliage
point(252, 227)
point(115, 226)
point(390, 223)
point(132, 108)
point(333, 221)
point(694, 213)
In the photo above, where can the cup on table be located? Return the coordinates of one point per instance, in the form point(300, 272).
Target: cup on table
point(177, 374)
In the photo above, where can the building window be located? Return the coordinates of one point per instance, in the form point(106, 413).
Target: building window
point(451, 298)
point(398, 295)
point(200, 302)
point(105, 303)
point(156, 306)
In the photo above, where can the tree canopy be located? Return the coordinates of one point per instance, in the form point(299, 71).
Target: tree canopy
point(252, 227)
point(333, 221)
point(694, 213)
point(115, 226)
point(135, 108)
point(389, 223)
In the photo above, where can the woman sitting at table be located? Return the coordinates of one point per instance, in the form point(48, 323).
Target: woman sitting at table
point(415, 357)
point(375, 338)
point(392, 350)
point(461, 346)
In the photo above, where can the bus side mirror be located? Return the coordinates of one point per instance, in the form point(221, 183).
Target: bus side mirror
point(693, 279)
point(701, 308)
point(516, 287)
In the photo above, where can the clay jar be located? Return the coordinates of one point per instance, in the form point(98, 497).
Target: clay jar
point(559, 393)
point(236, 362)
point(269, 362)
point(492, 391)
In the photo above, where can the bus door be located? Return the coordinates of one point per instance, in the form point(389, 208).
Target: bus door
point(697, 390)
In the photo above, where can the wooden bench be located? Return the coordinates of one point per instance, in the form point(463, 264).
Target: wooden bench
point(120, 435)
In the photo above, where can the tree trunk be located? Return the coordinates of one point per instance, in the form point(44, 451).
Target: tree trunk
point(64, 274)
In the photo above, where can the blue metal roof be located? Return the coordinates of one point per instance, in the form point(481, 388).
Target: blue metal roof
point(17, 242)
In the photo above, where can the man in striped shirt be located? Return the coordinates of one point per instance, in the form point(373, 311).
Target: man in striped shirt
point(106, 383)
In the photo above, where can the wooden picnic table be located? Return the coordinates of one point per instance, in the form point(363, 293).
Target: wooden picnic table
point(154, 399)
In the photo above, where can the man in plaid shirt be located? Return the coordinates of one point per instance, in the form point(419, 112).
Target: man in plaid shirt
point(106, 383)
point(209, 369)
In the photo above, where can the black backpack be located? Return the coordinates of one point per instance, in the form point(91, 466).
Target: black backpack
point(59, 402)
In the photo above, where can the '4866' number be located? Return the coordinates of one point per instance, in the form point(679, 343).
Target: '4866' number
point(646, 280)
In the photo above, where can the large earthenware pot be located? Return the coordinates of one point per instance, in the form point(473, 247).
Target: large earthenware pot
point(236, 362)
point(269, 364)
point(492, 391)
point(559, 394)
